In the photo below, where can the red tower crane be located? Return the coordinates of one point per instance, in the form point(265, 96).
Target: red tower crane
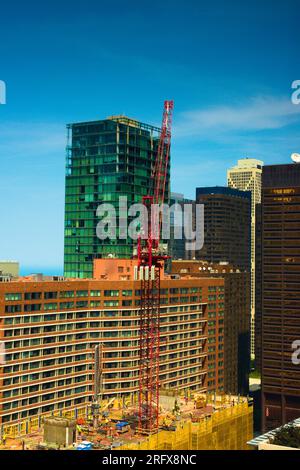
point(150, 264)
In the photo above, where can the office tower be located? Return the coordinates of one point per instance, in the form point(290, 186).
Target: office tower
point(177, 246)
point(50, 329)
point(246, 175)
point(280, 296)
point(258, 287)
point(232, 320)
point(105, 160)
point(227, 220)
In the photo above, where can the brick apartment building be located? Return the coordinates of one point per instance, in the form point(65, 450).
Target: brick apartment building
point(50, 327)
point(232, 322)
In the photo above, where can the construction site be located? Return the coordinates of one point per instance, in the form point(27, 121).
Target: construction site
point(132, 363)
point(197, 422)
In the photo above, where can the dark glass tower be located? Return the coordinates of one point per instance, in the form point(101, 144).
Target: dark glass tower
point(105, 160)
point(279, 314)
point(227, 226)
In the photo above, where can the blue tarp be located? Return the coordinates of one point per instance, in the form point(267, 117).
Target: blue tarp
point(85, 446)
point(120, 424)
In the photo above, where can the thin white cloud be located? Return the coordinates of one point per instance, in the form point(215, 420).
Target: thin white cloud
point(31, 139)
point(260, 113)
point(208, 165)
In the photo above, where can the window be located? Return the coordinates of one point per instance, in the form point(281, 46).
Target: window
point(82, 304)
point(52, 306)
point(95, 293)
point(14, 296)
point(111, 293)
point(174, 290)
point(66, 294)
point(50, 295)
point(65, 305)
point(195, 290)
point(94, 314)
point(12, 308)
point(32, 307)
point(82, 293)
point(111, 303)
point(32, 295)
point(49, 328)
point(127, 293)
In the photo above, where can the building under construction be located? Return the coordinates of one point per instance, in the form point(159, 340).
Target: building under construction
point(106, 159)
point(136, 331)
point(194, 422)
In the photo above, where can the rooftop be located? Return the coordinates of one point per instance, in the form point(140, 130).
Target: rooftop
point(248, 164)
point(133, 123)
point(223, 190)
point(268, 436)
point(121, 119)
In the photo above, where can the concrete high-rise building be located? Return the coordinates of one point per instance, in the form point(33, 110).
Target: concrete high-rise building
point(246, 175)
point(105, 160)
point(227, 221)
point(280, 294)
point(50, 328)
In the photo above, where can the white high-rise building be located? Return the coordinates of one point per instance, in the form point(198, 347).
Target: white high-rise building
point(246, 176)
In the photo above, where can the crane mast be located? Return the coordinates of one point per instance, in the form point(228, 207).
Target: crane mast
point(150, 261)
point(98, 384)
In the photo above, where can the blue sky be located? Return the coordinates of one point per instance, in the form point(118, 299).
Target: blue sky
point(228, 65)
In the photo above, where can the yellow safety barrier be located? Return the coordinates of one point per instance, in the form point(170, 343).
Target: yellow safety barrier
point(226, 429)
point(31, 425)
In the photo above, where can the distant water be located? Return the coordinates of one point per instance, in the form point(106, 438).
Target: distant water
point(47, 270)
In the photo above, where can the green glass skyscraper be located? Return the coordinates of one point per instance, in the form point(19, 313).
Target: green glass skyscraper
point(105, 160)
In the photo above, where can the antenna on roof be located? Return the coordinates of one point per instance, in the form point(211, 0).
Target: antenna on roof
point(295, 157)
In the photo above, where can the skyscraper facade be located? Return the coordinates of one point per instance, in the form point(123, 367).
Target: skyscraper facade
point(227, 220)
point(280, 294)
point(246, 176)
point(105, 159)
point(177, 246)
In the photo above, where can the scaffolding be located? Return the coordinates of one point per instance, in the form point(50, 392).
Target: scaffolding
point(226, 429)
